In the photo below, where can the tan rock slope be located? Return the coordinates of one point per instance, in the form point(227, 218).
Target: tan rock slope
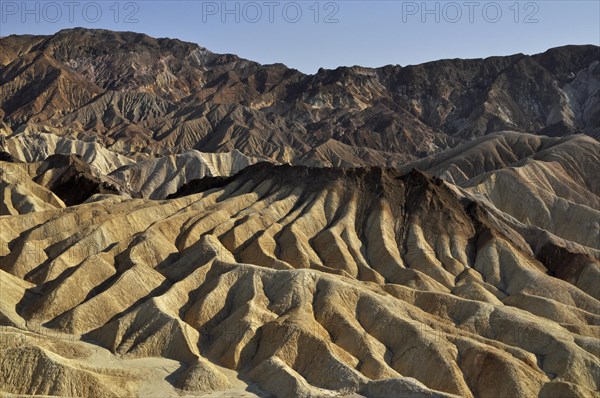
point(157, 178)
point(138, 175)
point(179, 223)
point(57, 181)
point(292, 281)
point(19, 194)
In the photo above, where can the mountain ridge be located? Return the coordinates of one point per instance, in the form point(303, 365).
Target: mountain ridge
point(175, 222)
point(165, 96)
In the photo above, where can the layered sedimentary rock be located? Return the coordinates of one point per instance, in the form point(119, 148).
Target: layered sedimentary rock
point(137, 94)
point(137, 175)
point(175, 222)
point(317, 282)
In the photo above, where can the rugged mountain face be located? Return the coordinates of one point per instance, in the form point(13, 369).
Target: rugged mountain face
point(162, 96)
point(175, 222)
point(296, 281)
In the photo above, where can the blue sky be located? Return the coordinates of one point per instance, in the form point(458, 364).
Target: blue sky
point(310, 34)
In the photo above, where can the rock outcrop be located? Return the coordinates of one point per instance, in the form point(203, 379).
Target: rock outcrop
point(175, 222)
point(136, 94)
point(315, 282)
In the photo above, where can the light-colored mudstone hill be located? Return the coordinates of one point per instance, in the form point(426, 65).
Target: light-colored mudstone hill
point(291, 281)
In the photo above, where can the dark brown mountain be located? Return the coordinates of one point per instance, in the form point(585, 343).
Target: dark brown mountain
point(450, 247)
point(139, 94)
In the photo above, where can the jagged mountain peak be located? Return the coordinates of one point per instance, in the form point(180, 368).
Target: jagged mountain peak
point(177, 222)
point(222, 102)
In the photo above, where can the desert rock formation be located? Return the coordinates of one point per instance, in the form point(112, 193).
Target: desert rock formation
point(137, 94)
point(175, 222)
point(396, 283)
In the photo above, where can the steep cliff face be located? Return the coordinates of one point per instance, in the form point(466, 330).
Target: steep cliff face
point(164, 96)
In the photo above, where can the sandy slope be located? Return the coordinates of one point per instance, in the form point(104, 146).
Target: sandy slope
point(311, 282)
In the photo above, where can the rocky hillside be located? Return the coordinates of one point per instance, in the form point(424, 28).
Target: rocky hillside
point(296, 281)
point(161, 96)
point(179, 223)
